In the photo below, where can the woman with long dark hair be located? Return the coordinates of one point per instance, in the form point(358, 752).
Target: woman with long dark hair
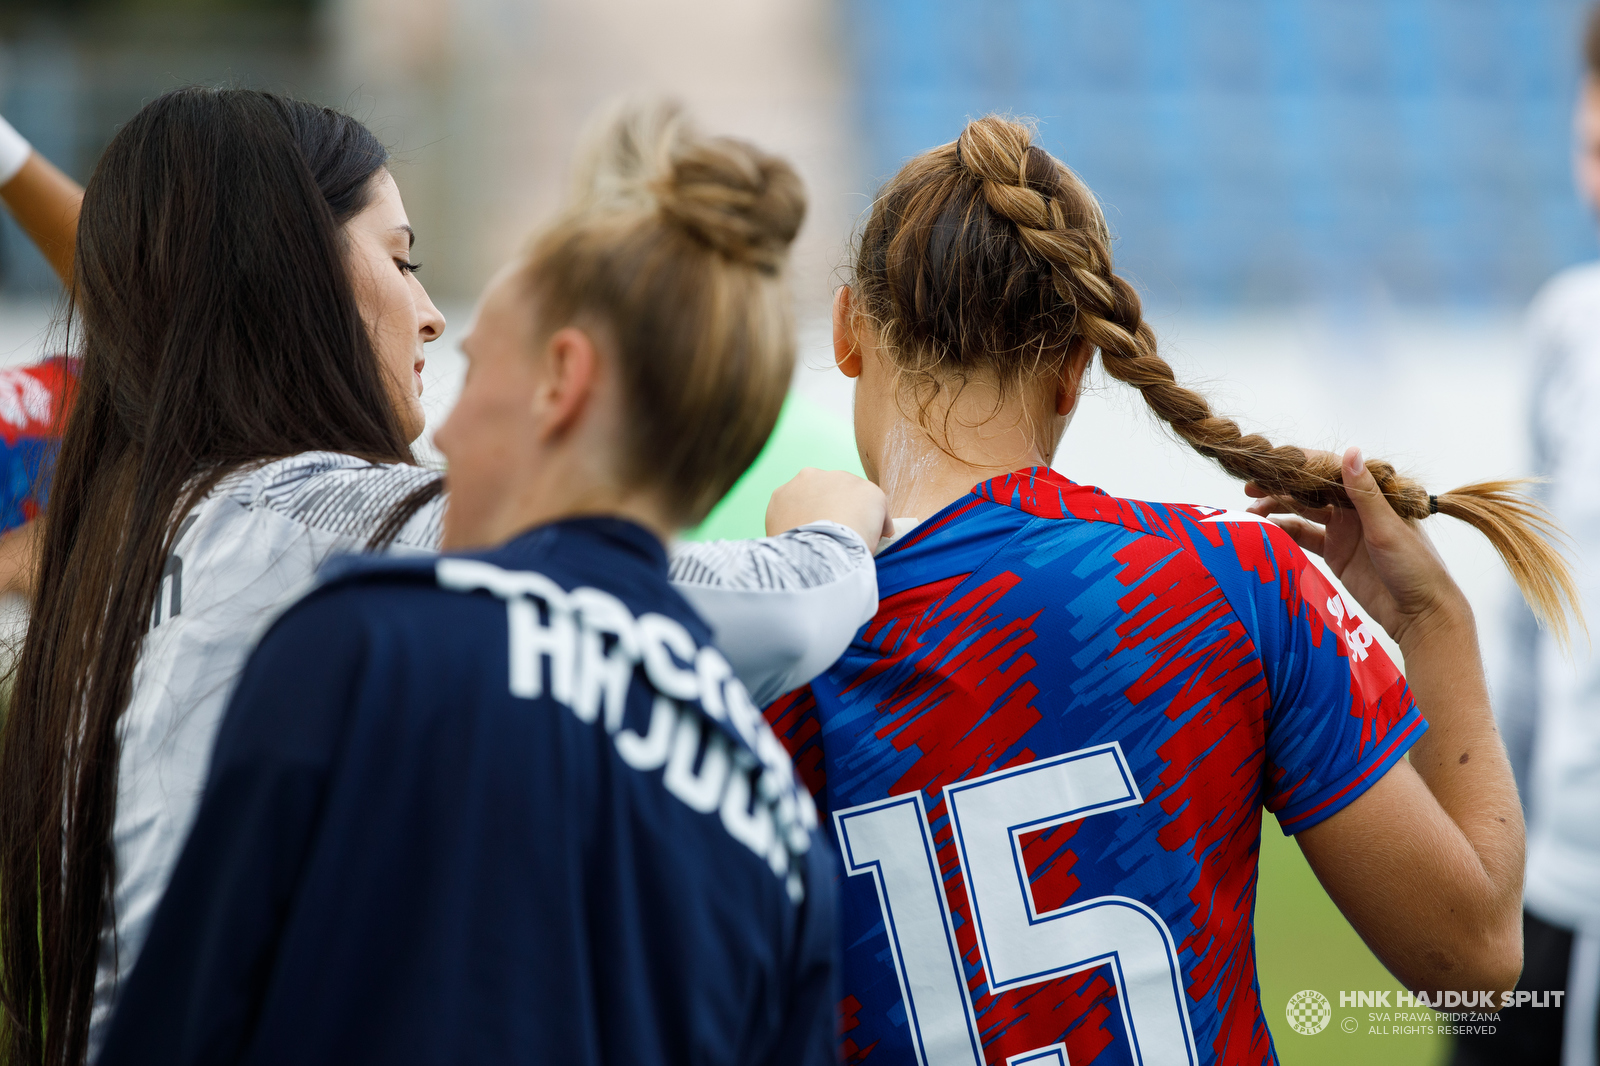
point(231, 248)
point(252, 336)
point(511, 808)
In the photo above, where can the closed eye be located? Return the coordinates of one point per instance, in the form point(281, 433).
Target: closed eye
point(407, 267)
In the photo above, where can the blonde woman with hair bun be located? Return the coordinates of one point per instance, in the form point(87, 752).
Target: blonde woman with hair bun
point(316, 464)
point(1045, 760)
point(511, 804)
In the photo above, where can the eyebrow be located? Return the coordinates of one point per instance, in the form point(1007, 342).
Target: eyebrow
point(408, 231)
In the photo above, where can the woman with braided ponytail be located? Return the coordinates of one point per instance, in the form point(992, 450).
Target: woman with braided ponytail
point(1045, 759)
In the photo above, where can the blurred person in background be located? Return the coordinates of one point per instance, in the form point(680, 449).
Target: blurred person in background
point(418, 846)
point(34, 400)
point(1550, 703)
point(252, 333)
point(1046, 758)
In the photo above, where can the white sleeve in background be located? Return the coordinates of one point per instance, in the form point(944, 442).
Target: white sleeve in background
point(1563, 773)
point(782, 609)
point(14, 151)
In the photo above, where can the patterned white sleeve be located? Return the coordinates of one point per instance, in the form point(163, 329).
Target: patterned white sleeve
point(782, 609)
point(345, 496)
point(1551, 713)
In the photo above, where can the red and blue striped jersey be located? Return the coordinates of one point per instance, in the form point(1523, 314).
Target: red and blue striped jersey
point(1044, 762)
point(34, 403)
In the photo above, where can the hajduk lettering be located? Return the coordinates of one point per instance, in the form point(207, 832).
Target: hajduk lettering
point(1483, 999)
point(592, 645)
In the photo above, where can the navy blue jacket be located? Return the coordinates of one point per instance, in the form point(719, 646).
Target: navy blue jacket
point(505, 808)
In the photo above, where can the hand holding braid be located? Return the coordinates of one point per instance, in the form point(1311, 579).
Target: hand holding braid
point(1033, 273)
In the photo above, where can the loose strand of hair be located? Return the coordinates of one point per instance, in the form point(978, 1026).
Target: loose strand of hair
point(1525, 535)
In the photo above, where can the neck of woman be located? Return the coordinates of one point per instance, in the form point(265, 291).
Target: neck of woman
point(925, 465)
point(551, 495)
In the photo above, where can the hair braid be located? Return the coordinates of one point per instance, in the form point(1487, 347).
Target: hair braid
point(1063, 247)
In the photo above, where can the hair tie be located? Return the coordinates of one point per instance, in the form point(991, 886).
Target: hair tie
point(1433, 505)
point(959, 162)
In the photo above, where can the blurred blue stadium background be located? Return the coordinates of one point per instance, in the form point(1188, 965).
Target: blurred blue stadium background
point(1298, 187)
point(1250, 153)
point(1267, 152)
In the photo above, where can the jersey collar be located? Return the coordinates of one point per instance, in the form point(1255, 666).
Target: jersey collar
point(619, 533)
point(1035, 490)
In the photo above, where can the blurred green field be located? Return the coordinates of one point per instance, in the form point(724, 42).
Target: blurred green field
point(1302, 941)
point(806, 435)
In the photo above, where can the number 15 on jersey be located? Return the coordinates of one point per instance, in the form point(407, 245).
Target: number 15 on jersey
point(1019, 945)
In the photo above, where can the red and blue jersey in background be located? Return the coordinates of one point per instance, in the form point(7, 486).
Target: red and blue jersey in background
point(34, 402)
point(1044, 763)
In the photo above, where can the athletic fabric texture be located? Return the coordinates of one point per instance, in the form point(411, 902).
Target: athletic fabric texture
point(1549, 705)
point(253, 546)
point(34, 403)
point(1532, 1036)
point(247, 551)
point(782, 609)
point(1045, 760)
point(509, 807)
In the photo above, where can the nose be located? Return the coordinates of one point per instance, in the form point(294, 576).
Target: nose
point(430, 321)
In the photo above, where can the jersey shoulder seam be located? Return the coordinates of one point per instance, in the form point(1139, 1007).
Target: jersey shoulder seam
point(1194, 559)
point(1249, 634)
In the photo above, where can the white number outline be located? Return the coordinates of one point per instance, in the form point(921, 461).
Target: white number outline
point(1115, 789)
point(891, 924)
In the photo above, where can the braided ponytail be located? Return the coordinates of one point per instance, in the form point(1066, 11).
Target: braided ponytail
point(989, 247)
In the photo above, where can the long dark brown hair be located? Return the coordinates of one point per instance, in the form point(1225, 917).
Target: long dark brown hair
point(218, 328)
point(987, 258)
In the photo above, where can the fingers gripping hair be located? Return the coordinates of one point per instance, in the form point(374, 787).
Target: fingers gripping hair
point(1057, 222)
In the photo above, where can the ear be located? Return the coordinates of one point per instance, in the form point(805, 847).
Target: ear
point(568, 380)
point(1079, 352)
point(846, 343)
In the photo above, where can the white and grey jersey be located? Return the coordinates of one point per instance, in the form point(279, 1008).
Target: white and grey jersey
point(1550, 712)
point(242, 555)
point(784, 608)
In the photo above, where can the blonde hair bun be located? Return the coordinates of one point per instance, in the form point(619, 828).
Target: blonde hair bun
point(746, 204)
point(624, 150)
point(645, 154)
point(676, 242)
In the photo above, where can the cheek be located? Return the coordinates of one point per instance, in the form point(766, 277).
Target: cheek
point(482, 436)
point(383, 297)
point(396, 318)
point(473, 476)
